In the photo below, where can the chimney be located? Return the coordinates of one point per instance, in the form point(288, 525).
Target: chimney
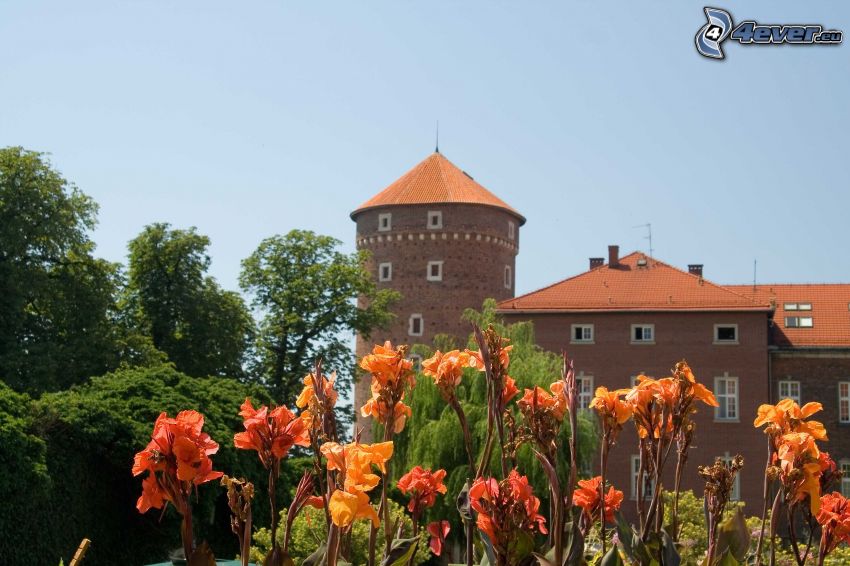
point(596, 262)
point(695, 269)
point(613, 256)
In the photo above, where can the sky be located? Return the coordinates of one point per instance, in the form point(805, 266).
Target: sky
point(249, 119)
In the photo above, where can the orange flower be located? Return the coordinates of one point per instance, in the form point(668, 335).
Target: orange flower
point(834, 519)
point(423, 487)
point(391, 374)
point(378, 410)
point(388, 365)
point(505, 509)
point(509, 391)
point(356, 461)
point(800, 468)
point(446, 369)
point(587, 497)
point(539, 399)
point(271, 433)
point(477, 362)
point(700, 392)
point(308, 393)
point(345, 507)
point(787, 416)
point(611, 407)
point(438, 530)
point(176, 458)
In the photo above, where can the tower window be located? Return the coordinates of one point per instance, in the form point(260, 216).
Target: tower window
point(415, 325)
point(435, 271)
point(435, 219)
point(508, 277)
point(511, 230)
point(385, 221)
point(385, 272)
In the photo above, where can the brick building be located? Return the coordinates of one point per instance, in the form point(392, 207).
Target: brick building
point(636, 314)
point(445, 243)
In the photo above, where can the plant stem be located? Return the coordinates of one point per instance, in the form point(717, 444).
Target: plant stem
point(274, 470)
point(792, 533)
point(765, 493)
point(774, 511)
point(603, 466)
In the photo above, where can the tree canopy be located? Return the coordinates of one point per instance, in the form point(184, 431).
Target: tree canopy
point(304, 290)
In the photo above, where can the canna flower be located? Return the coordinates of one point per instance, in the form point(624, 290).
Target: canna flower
point(506, 509)
point(378, 410)
point(587, 497)
point(176, 458)
point(391, 373)
point(509, 391)
point(271, 433)
point(787, 416)
point(423, 486)
point(477, 362)
point(308, 394)
point(354, 461)
point(834, 519)
point(438, 530)
point(612, 409)
point(800, 468)
point(447, 370)
point(538, 399)
point(345, 507)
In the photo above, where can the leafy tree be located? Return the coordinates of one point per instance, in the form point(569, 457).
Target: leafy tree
point(433, 439)
point(305, 289)
point(57, 306)
point(203, 329)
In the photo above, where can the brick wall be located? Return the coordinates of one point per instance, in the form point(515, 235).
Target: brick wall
point(612, 359)
point(474, 245)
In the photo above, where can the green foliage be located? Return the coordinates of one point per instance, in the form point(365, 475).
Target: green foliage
point(433, 438)
point(309, 532)
point(57, 307)
point(203, 329)
point(309, 295)
point(91, 433)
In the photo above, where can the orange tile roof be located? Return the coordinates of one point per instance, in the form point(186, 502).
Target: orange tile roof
point(830, 312)
point(630, 287)
point(435, 180)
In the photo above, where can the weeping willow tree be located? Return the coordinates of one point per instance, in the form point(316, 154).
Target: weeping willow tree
point(434, 439)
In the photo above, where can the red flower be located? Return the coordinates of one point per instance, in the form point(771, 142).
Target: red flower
point(438, 530)
point(422, 486)
point(587, 497)
point(270, 433)
point(506, 509)
point(834, 519)
point(176, 458)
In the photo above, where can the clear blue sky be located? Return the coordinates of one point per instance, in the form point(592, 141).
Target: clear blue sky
point(250, 119)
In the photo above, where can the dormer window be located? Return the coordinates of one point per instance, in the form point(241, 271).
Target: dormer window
point(435, 219)
point(385, 222)
point(798, 322)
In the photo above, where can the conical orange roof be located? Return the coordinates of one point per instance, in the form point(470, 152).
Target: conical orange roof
point(436, 180)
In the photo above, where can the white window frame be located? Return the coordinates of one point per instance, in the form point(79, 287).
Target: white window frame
point(788, 385)
point(415, 316)
point(438, 214)
point(584, 384)
point(511, 230)
point(789, 306)
point(634, 462)
point(804, 306)
point(389, 267)
point(717, 339)
point(736, 487)
point(734, 397)
point(799, 322)
point(844, 466)
point(509, 277)
point(430, 276)
point(643, 327)
point(844, 399)
point(587, 334)
point(388, 217)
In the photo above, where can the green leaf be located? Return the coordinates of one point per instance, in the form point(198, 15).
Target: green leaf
point(669, 553)
point(318, 557)
point(734, 536)
point(727, 560)
point(489, 553)
point(400, 552)
point(612, 558)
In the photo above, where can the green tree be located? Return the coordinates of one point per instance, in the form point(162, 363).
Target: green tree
point(433, 439)
point(203, 329)
point(57, 302)
point(305, 291)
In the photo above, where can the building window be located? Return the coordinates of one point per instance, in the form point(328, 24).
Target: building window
point(385, 221)
point(726, 393)
point(415, 325)
point(435, 271)
point(648, 485)
point(798, 322)
point(581, 333)
point(508, 277)
point(797, 306)
point(725, 333)
point(584, 383)
point(511, 230)
point(844, 401)
point(643, 333)
point(736, 487)
point(790, 390)
point(844, 466)
point(385, 272)
point(435, 219)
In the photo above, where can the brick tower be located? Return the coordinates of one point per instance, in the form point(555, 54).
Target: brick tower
point(445, 243)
